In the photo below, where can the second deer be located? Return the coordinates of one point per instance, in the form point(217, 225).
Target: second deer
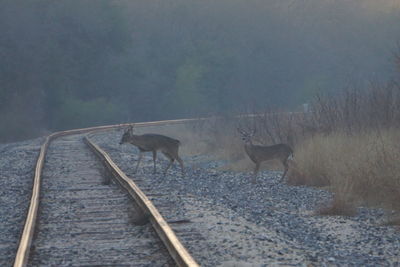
point(154, 142)
point(259, 154)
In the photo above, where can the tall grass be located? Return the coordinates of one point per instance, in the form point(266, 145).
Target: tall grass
point(354, 148)
point(363, 168)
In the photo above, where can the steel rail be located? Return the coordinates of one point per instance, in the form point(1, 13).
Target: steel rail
point(166, 234)
point(25, 242)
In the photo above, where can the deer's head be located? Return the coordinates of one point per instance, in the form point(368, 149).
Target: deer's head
point(246, 136)
point(127, 135)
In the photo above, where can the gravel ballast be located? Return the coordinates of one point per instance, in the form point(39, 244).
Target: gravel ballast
point(17, 163)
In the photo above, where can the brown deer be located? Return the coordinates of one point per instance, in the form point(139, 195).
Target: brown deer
point(258, 153)
point(154, 142)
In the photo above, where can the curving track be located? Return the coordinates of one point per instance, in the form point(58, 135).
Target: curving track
point(84, 221)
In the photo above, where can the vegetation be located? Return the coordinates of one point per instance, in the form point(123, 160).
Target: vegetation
point(69, 63)
point(354, 149)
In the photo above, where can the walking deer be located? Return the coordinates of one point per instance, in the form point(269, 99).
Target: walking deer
point(154, 142)
point(258, 153)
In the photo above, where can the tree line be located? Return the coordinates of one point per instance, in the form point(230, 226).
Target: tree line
point(69, 64)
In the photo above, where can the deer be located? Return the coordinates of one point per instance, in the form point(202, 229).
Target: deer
point(153, 142)
point(259, 154)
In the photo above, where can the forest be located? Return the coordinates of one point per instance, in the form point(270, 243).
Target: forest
point(77, 63)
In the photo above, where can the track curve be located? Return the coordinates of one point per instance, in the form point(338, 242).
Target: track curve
point(24, 247)
point(83, 221)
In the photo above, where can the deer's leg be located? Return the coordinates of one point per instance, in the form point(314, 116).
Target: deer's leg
point(139, 159)
point(171, 161)
point(255, 172)
point(181, 164)
point(154, 160)
point(286, 165)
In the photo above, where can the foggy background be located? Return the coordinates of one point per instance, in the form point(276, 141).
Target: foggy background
point(79, 63)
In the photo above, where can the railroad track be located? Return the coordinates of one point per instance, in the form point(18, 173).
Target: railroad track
point(83, 221)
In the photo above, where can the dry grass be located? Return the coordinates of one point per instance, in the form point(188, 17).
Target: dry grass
point(353, 146)
point(360, 168)
point(219, 135)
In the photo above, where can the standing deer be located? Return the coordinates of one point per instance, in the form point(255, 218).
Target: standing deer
point(154, 142)
point(258, 153)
